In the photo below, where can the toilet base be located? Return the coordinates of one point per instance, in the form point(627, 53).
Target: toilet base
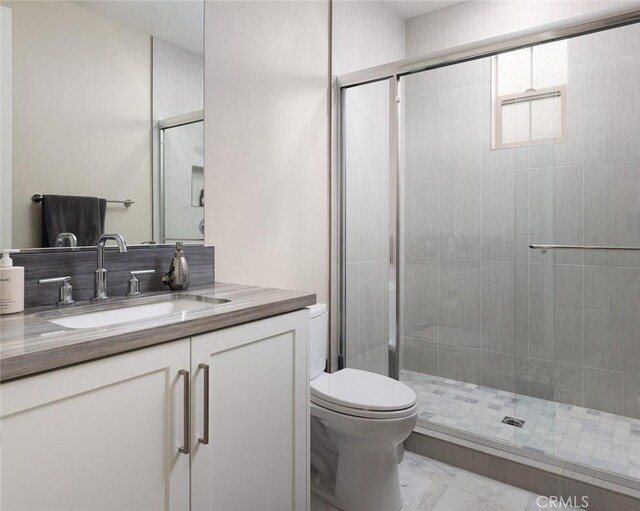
point(365, 482)
point(368, 481)
point(353, 470)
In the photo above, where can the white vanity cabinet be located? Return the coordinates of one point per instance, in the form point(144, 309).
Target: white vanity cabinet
point(258, 417)
point(107, 435)
point(100, 436)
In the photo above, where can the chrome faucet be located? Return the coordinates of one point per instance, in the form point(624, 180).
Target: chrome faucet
point(100, 283)
point(73, 241)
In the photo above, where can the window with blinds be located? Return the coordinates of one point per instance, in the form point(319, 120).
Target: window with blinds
point(530, 96)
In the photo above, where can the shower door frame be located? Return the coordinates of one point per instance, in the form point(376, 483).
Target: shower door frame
point(393, 72)
point(165, 124)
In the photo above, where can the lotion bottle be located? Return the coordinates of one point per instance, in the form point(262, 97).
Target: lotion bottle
point(11, 284)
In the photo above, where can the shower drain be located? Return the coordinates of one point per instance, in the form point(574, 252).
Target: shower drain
point(512, 421)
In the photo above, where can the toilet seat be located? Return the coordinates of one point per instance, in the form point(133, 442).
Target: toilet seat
point(363, 414)
point(363, 394)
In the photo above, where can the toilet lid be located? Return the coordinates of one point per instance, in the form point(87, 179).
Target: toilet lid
point(362, 390)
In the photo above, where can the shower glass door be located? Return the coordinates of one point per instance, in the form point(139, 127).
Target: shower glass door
point(366, 211)
point(459, 253)
point(580, 379)
point(519, 237)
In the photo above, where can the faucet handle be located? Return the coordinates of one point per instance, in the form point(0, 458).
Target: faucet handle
point(65, 291)
point(133, 288)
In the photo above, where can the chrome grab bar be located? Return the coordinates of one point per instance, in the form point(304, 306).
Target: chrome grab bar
point(578, 247)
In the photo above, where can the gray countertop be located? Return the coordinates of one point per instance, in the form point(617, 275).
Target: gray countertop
point(30, 344)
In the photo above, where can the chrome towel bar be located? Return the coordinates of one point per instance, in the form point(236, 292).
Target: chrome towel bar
point(37, 198)
point(578, 247)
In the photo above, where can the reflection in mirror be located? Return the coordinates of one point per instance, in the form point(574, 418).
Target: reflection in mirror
point(182, 177)
point(107, 121)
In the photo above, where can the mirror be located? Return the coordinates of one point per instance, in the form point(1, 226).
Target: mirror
point(101, 100)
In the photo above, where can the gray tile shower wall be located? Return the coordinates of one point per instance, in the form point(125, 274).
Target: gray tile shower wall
point(81, 263)
point(480, 306)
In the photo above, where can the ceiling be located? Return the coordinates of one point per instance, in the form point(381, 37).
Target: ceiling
point(180, 22)
point(412, 8)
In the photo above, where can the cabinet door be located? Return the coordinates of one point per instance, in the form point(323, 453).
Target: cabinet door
point(257, 455)
point(101, 436)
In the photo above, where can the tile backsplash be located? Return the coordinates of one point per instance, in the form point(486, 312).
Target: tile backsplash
point(81, 263)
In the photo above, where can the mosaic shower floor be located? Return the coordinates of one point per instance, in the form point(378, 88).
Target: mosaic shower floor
point(580, 435)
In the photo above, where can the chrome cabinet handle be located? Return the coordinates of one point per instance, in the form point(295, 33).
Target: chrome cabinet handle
point(187, 413)
point(205, 409)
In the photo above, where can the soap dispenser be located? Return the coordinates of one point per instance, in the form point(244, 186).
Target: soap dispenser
point(11, 284)
point(178, 278)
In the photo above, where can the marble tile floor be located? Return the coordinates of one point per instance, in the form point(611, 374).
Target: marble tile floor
point(589, 437)
point(429, 485)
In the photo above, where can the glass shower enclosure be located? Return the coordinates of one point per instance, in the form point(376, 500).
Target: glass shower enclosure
point(182, 178)
point(490, 244)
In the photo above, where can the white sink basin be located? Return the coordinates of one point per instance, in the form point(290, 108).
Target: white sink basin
point(141, 312)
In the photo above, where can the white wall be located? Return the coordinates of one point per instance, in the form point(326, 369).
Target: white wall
point(5, 127)
point(81, 115)
point(266, 142)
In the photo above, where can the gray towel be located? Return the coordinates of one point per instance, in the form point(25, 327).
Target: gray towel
point(83, 216)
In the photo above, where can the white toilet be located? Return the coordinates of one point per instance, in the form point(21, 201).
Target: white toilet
point(358, 421)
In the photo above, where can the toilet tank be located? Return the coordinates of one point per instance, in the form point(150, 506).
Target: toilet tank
point(318, 332)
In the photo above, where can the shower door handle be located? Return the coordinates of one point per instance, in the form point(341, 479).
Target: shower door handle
point(535, 246)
